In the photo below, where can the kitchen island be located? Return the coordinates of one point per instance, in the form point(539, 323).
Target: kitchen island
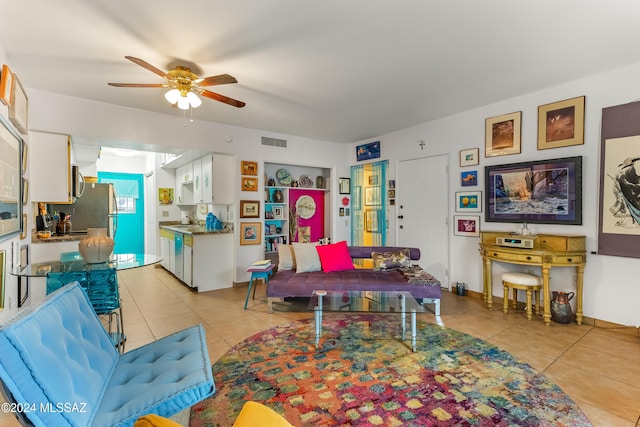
point(201, 259)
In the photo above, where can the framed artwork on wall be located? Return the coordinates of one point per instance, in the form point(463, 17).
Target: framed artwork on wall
point(14, 189)
point(250, 233)
point(543, 192)
point(368, 151)
point(19, 106)
point(249, 209)
point(469, 157)
point(466, 225)
point(248, 168)
point(372, 196)
point(502, 134)
point(249, 184)
point(344, 185)
point(561, 124)
point(6, 83)
point(469, 201)
point(469, 178)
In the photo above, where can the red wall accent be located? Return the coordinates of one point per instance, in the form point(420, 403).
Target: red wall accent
point(316, 222)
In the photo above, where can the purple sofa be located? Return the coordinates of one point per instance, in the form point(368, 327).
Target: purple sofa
point(288, 283)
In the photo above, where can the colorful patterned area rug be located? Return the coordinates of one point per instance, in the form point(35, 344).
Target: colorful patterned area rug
point(362, 376)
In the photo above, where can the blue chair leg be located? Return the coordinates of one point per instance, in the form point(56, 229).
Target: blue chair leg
point(246, 301)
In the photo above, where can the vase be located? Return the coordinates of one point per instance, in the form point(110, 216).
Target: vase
point(97, 246)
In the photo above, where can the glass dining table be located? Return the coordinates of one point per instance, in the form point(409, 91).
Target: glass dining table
point(72, 262)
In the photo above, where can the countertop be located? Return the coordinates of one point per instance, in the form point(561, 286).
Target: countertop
point(192, 229)
point(74, 237)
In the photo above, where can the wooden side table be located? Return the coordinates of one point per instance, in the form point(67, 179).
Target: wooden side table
point(258, 273)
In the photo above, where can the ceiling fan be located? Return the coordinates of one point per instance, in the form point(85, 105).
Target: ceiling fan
point(184, 85)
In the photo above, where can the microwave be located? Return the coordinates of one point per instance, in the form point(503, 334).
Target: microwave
point(77, 182)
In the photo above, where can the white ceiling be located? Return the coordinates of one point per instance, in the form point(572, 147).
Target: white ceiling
point(337, 70)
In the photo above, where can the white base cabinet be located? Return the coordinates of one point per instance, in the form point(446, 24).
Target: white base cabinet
point(212, 261)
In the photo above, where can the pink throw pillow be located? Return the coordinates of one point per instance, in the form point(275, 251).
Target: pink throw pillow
point(335, 257)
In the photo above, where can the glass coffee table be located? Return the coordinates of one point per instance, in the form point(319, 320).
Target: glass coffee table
point(403, 303)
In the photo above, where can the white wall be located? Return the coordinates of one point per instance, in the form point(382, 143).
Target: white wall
point(610, 289)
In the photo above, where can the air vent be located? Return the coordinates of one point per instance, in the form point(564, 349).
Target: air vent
point(274, 142)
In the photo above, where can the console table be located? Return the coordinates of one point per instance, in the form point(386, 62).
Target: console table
point(549, 250)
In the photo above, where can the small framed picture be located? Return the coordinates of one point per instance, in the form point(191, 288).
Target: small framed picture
point(561, 124)
point(469, 157)
point(6, 83)
point(371, 221)
point(502, 134)
point(249, 184)
point(25, 149)
point(23, 232)
point(250, 233)
point(19, 106)
point(372, 196)
point(344, 185)
point(373, 179)
point(469, 201)
point(466, 225)
point(278, 212)
point(249, 168)
point(469, 178)
point(249, 209)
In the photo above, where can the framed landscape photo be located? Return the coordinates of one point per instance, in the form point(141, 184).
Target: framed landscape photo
point(248, 168)
point(469, 201)
point(543, 192)
point(502, 134)
point(15, 185)
point(250, 233)
point(561, 124)
point(249, 209)
point(466, 225)
point(469, 157)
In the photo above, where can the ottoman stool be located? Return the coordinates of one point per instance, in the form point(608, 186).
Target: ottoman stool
point(523, 281)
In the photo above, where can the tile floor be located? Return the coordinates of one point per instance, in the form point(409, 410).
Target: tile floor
point(599, 368)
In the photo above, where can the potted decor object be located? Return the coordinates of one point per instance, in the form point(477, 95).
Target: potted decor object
point(97, 246)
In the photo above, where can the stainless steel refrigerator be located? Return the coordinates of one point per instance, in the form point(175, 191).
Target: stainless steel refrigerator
point(95, 208)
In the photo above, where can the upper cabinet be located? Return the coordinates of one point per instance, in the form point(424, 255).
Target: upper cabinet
point(50, 164)
point(205, 180)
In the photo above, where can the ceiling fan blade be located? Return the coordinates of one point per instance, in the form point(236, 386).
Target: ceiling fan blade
point(216, 80)
point(139, 84)
point(222, 98)
point(148, 66)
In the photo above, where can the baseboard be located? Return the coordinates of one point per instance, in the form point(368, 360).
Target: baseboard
point(589, 321)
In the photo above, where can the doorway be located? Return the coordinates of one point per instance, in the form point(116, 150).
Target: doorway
point(422, 194)
point(129, 189)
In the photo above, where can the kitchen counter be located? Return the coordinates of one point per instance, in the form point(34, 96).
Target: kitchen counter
point(193, 229)
point(74, 237)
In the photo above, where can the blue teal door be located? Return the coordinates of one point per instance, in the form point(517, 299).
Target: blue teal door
point(129, 189)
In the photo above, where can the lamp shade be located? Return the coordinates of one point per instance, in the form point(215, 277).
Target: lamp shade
point(183, 103)
point(194, 100)
point(172, 96)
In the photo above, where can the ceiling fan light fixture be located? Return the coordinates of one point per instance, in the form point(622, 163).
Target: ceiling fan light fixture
point(172, 96)
point(183, 103)
point(194, 100)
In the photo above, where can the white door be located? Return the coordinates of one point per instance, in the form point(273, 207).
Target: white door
point(423, 208)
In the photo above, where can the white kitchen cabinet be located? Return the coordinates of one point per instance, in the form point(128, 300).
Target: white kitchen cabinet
point(50, 166)
point(197, 181)
point(222, 173)
point(179, 174)
point(212, 261)
point(166, 251)
point(206, 168)
point(187, 259)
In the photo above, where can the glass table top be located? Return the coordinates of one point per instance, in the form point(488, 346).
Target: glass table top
point(365, 301)
point(73, 262)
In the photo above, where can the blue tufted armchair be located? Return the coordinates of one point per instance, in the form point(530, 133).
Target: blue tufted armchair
point(60, 368)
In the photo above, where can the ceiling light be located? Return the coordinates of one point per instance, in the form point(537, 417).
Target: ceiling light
point(194, 100)
point(172, 96)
